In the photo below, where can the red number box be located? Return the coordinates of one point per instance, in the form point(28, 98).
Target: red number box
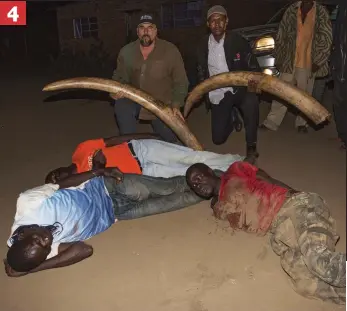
point(13, 13)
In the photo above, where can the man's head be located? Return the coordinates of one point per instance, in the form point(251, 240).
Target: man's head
point(217, 20)
point(30, 248)
point(59, 174)
point(202, 180)
point(147, 29)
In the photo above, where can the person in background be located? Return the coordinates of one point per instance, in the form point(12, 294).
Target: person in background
point(302, 50)
point(339, 73)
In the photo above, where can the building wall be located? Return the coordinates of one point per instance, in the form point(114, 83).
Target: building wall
point(112, 22)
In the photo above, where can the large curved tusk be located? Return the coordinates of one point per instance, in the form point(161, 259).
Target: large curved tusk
point(157, 107)
point(301, 100)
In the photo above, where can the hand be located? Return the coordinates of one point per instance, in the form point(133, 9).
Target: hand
point(177, 113)
point(113, 172)
point(99, 160)
point(314, 68)
point(117, 95)
point(12, 273)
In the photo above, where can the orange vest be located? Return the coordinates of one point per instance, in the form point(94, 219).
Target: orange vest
point(116, 156)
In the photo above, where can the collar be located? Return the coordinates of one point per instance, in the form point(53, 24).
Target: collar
point(213, 40)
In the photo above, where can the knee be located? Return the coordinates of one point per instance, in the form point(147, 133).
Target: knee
point(124, 104)
point(219, 139)
point(251, 100)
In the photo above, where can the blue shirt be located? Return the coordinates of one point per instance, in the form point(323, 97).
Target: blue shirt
point(77, 213)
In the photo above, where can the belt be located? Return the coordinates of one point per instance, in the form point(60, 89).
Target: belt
point(131, 148)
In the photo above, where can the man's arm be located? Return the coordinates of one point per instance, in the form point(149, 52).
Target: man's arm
point(116, 140)
point(77, 179)
point(68, 254)
point(200, 71)
point(121, 73)
point(325, 34)
point(201, 75)
point(281, 37)
point(180, 80)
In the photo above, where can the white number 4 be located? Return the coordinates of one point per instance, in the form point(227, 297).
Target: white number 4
point(13, 13)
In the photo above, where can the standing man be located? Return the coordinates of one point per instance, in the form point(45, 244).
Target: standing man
point(156, 67)
point(221, 52)
point(339, 72)
point(302, 50)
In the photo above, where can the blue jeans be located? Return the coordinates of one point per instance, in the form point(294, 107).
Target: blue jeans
point(139, 195)
point(127, 112)
point(162, 159)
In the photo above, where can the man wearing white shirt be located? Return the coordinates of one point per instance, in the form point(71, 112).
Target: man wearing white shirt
point(53, 221)
point(222, 52)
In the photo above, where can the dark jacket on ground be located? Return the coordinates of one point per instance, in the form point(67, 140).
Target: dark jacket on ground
point(234, 44)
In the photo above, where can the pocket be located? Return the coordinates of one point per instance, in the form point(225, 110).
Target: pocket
point(158, 70)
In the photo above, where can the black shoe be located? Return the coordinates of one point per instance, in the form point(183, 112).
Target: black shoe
point(252, 154)
point(302, 129)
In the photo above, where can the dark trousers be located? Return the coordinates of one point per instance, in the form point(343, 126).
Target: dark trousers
point(340, 114)
point(222, 116)
point(127, 112)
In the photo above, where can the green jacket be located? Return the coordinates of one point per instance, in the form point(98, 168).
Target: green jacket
point(162, 75)
point(285, 42)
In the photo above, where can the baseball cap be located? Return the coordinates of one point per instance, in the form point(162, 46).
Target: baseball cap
point(217, 9)
point(148, 18)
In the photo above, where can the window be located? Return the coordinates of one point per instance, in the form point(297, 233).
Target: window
point(85, 27)
point(182, 14)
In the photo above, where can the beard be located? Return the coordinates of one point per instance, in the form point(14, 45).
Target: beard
point(146, 40)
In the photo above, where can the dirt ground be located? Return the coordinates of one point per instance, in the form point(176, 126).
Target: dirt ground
point(185, 260)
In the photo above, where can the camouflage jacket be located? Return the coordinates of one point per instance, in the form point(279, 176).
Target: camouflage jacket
point(285, 42)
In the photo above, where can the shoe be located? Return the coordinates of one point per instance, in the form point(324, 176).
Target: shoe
point(264, 128)
point(302, 129)
point(252, 155)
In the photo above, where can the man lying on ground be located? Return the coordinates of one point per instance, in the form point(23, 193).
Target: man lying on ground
point(139, 154)
point(53, 220)
point(302, 231)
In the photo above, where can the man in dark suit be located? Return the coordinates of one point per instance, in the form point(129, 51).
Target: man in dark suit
point(220, 52)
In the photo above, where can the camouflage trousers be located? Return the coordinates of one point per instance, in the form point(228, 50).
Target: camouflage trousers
point(303, 235)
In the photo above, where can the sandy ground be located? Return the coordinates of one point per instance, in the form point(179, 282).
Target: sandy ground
point(185, 260)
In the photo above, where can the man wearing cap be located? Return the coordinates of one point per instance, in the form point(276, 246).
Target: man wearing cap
point(223, 51)
point(154, 66)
